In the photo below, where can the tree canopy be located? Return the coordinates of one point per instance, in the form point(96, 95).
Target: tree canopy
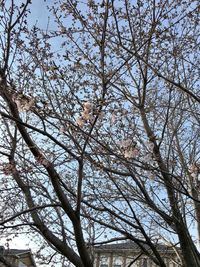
point(99, 127)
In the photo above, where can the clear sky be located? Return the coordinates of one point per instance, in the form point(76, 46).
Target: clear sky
point(40, 14)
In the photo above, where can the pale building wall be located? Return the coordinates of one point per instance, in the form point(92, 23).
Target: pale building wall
point(11, 260)
point(114, 260)
point(21, 264)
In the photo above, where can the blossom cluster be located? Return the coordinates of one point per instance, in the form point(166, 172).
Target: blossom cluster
point(8, 168)
point(194, 169)
point(41, 160)
point(129, 148)
point(86, 114)
point(24, 103)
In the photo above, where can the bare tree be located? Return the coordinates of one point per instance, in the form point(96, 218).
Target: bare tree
point(100, 125)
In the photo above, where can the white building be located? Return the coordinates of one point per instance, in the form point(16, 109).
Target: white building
point(130, 255)
point(16, 258)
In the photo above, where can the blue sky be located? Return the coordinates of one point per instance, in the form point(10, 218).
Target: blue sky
point(40, 13)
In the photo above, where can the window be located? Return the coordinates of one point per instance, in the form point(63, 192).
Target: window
point(166, 262)
point(103, 261)
point(144, 263)
point(117, 261)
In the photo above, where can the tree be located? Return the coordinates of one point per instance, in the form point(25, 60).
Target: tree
point(100, 125)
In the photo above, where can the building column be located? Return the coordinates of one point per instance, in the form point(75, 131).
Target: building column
point(124, 260)
point(110, 260)
point(97, 260)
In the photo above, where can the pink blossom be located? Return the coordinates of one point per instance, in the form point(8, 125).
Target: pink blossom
point(86, 115)
point(131, 153)
point(24, 103)
point(87, 106)
point(113, 118)
point(8, 168)
point(125, 143)
point(43, 161)
point(80, 122)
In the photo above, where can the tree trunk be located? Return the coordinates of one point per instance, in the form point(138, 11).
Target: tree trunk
point(190, 255)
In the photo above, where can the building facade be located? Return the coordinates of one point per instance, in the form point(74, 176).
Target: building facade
point(129, 255)
point(16, 258)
